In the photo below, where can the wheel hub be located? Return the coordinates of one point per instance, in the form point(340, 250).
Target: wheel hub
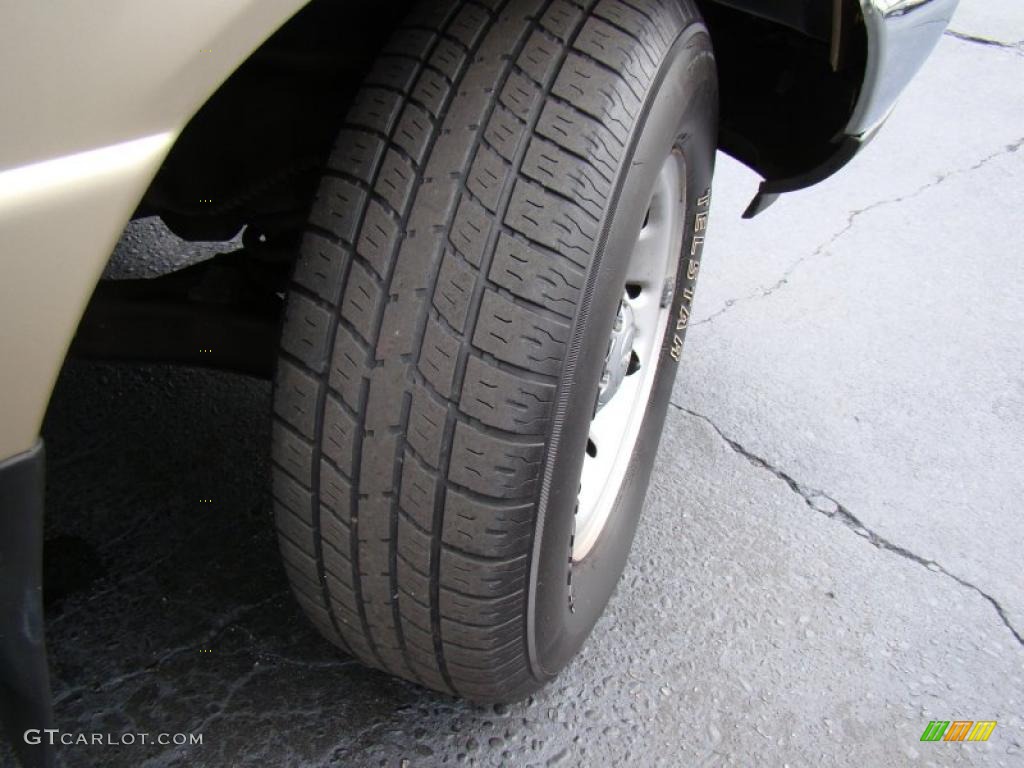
point(620, 353)
point(634, 350)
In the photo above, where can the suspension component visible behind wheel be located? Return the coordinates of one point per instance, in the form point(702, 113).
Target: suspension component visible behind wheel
point(483, 329)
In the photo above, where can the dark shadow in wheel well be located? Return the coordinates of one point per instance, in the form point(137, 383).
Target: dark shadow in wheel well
point(253, 153)
point(790, 72)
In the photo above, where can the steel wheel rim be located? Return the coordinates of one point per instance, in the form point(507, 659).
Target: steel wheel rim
point(634, 355)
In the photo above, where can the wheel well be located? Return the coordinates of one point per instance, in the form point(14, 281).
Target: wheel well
point(790, 73)
point(252, 154)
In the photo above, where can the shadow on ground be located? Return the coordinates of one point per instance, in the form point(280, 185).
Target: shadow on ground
point(167, 607)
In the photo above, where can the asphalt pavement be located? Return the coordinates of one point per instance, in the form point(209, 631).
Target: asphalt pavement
point(831, 551)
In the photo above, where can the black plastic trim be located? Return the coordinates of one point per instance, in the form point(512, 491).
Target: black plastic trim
point(769, 191)
point(25, 701)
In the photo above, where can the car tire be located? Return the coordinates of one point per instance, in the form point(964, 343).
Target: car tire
point(448, 328)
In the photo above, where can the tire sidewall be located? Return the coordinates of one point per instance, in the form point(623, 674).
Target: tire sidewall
point(566, 599)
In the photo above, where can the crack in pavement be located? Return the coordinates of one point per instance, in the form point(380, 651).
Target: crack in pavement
point(827, 505)
point(1017, 47)
point(850, 223)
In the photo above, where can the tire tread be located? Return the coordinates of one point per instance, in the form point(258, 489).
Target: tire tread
point(429, 318)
